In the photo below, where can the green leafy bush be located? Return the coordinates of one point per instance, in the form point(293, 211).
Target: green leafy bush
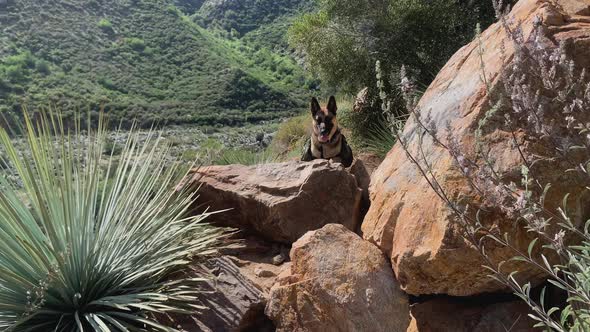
point(343, 39)
point(245, 16)
point(292, 134)
point(111, 147)
point(16, 69)
point(42, 67)
point(190, 155)
point(137, 44)
point(89, 248)
point(24, 59)
point(15, 74)
point(105, 25)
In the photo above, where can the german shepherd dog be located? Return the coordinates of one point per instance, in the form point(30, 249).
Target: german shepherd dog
point(327, 142)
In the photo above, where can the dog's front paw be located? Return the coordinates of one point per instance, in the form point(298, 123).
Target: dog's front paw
point(335, 160)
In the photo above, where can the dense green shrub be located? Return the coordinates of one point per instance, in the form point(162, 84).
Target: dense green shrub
point(105, 25)
point(111, 147)
point(343, 39)
point(137, 44)
point(15, 74)
point(292, 135)
point(16, 68)
point(245, 16)
point(42, 67)
point(24, 59)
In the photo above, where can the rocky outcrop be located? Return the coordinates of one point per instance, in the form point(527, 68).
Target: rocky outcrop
point(235, 302)
point(230, 301)
point(441, 315)
point(236, 291)
point(337, 282)
point(281, 201)
point(407, 220)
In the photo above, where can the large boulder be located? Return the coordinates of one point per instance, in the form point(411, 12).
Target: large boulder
point(337, 282)
point(280, 201)
point(407, 219)
point(451, 314)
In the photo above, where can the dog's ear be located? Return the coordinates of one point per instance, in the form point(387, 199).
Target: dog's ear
point(332, 108)
point(315, 106)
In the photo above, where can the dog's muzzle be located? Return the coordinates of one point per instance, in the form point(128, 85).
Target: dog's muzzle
point(324, 134)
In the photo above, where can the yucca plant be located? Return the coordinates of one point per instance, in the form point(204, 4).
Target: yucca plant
point(88, 243)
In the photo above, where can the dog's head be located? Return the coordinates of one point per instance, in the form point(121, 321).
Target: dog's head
point(325, 123)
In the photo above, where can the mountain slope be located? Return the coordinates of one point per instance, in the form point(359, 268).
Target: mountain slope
point(139, 59)
point(261, 23)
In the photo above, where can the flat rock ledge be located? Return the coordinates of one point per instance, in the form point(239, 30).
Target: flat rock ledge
point(281, 201)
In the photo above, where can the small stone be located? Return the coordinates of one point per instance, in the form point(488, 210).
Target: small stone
point(279, 259)
point(262, 273)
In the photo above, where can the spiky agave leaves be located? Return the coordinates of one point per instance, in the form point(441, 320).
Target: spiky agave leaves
point(86, 242)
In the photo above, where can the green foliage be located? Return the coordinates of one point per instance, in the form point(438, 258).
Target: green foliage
point(15, 74)
point(190, 156)
point(380, 139)
point(105, 25)
point(245, 157)
point(172, 9)
point(111, 147)
point(42, 67)
point(292, 134)
point(188, 6)
point(136, 43)
point(343, 39)
point(84, 247)
point(18, 69)
point(108, 83)
point(246, 16)
point(24, 59)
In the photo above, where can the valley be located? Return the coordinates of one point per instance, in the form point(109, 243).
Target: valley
point(157, 62)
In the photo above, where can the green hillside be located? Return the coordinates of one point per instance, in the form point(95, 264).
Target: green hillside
point(259, 22)
point(150, 60)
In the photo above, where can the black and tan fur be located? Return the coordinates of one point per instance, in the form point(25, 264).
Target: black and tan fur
point(327, 141)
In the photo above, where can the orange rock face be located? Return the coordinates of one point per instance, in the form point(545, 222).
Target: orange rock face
point(407, 220)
